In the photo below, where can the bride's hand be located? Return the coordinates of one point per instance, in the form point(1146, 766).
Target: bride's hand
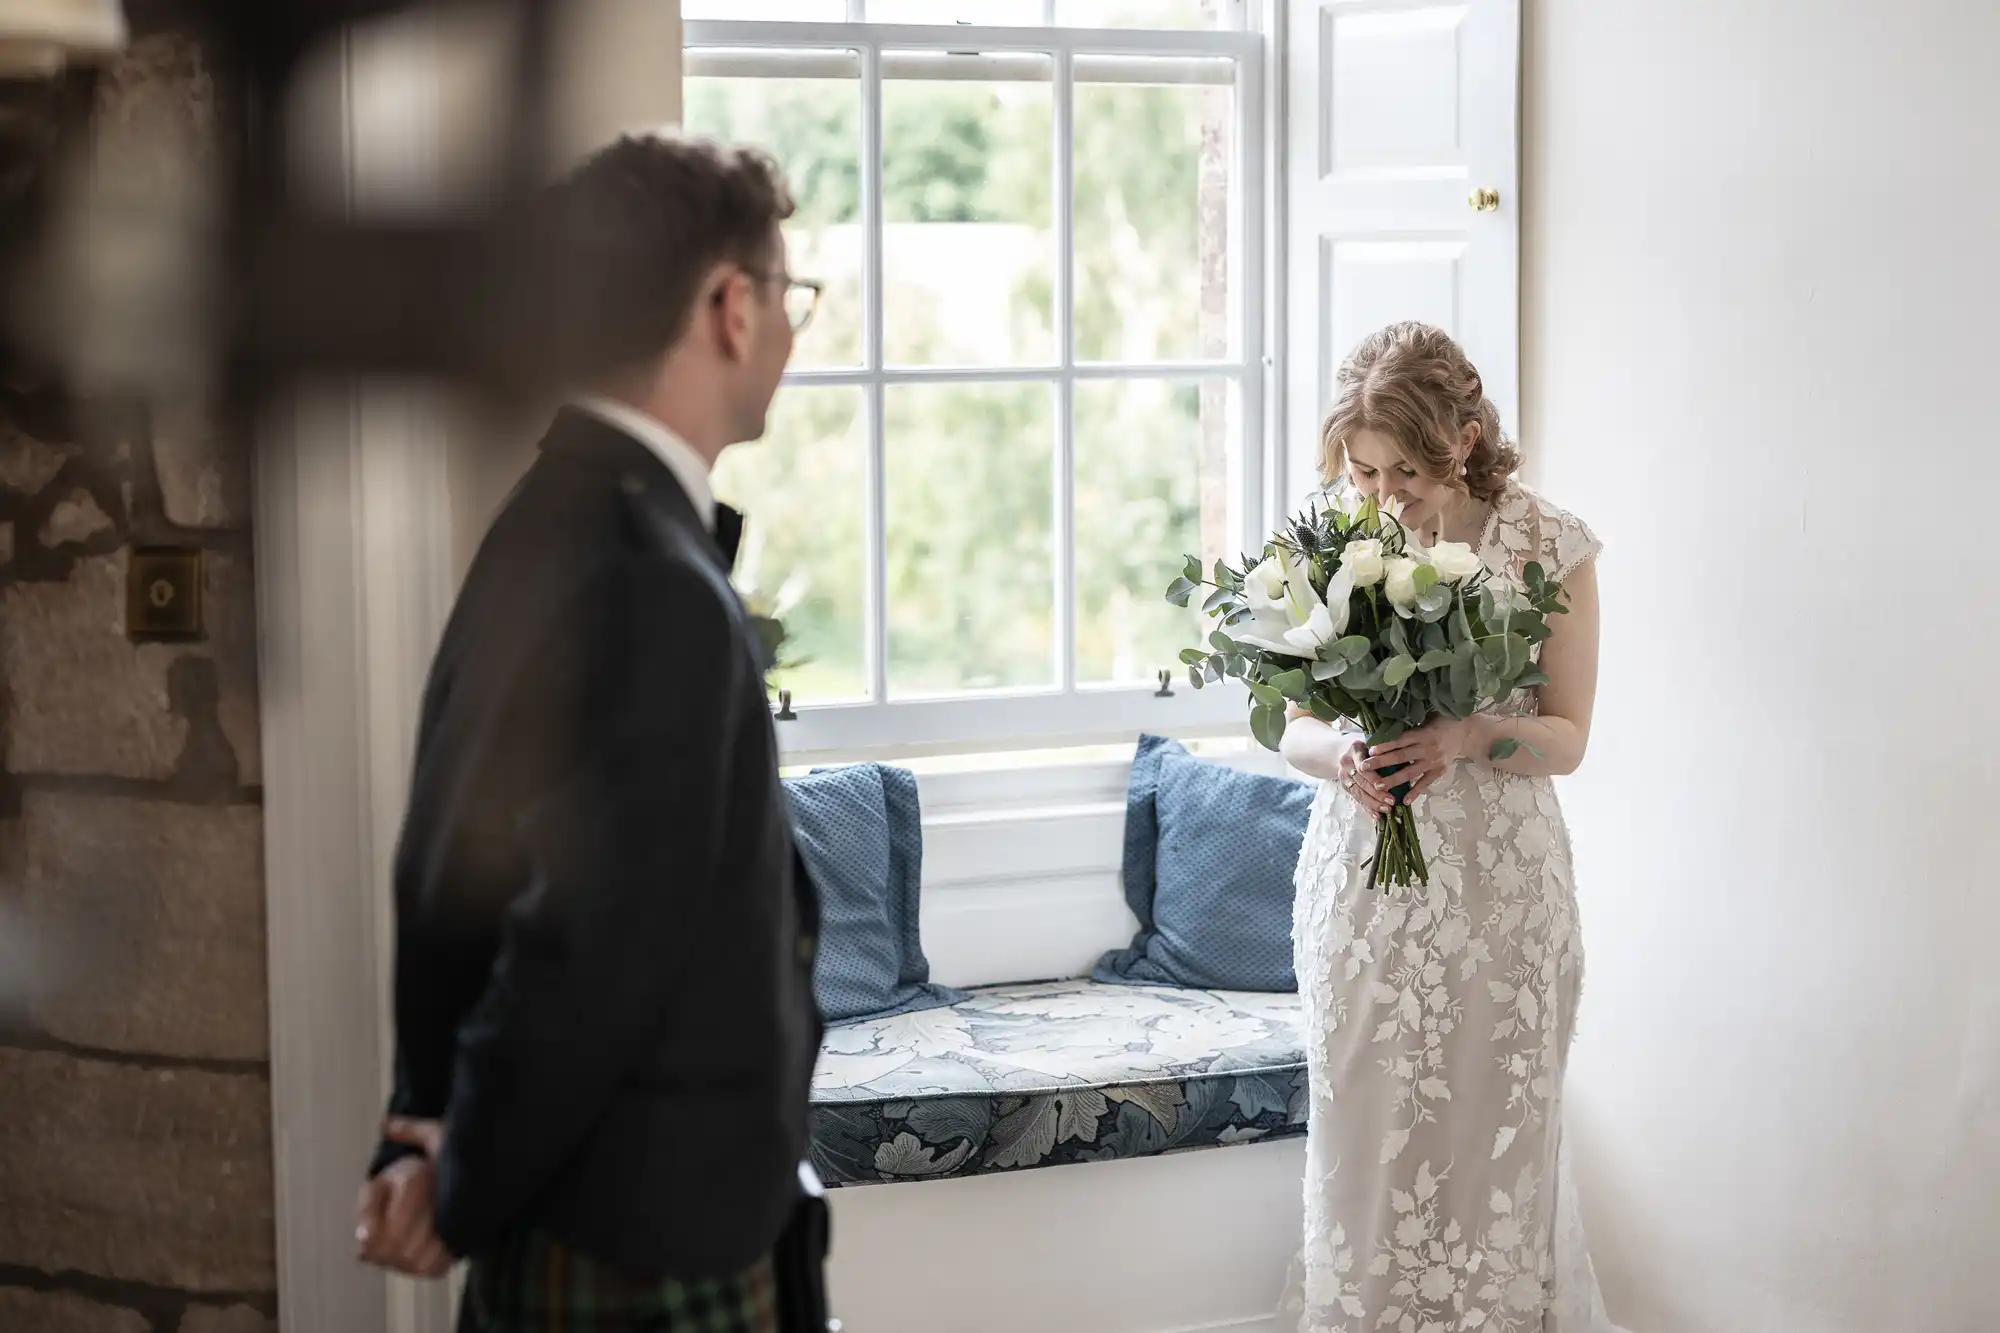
point(1425, 755)
point(1319, 750)
point(1367, 788)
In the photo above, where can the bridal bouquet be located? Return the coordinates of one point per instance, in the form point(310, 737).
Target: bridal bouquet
point(1348, 615)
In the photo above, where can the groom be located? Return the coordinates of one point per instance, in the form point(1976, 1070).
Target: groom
point(605, 1027)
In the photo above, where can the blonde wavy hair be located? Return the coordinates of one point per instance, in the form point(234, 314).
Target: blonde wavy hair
point(1415, 385)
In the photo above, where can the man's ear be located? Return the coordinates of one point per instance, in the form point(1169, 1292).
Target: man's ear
point(727, 301)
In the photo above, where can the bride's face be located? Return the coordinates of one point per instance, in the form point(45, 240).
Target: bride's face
point(1377, 467)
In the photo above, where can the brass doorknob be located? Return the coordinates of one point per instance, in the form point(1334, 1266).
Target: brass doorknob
point(1485, 200)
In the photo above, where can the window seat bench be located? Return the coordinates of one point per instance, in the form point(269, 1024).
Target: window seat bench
point(1054, 1073)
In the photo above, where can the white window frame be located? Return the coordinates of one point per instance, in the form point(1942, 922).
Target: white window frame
point(1065, 714)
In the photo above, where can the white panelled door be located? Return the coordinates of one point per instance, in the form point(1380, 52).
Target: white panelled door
point(1399, 113)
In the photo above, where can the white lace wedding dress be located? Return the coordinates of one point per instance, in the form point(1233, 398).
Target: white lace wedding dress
point(1438, 1195)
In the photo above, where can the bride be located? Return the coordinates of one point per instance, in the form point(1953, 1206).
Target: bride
point(1438, 1196)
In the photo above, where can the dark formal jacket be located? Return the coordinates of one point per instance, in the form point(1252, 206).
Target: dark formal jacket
point(603, 933)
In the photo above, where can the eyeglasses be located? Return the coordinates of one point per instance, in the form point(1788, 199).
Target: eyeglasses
point(801, 297)
point(801, 301)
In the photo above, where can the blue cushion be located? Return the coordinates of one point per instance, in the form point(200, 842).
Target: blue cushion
point(1055, 1073)
point(860, 832)
point(1209, 857)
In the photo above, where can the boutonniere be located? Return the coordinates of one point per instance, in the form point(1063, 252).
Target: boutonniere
point(767, 610)
point(767, 620)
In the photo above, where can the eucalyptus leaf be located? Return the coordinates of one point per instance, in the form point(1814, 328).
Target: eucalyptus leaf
point(1354, 647)
point(1437, 659)
point(1221, 642)
point(1425, 578)
point(1486, 678)
point(1266, 696)
point(1193, 657)
point(1218, 599)
point(1464, 681)
point(1399, 638)
point(1398, 669)
point(1179, 591)
point(1294, 685)
point(1268, 726)
point(1532, 677)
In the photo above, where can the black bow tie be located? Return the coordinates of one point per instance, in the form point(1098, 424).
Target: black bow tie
point(728, 533)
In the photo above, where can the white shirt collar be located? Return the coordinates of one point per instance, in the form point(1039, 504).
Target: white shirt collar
point(690, 469)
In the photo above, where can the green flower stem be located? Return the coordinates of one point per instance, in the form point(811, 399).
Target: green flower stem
point(1399, 854)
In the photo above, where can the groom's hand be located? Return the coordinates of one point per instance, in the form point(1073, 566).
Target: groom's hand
point(395, 1219)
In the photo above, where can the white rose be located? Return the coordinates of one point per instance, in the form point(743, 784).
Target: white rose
point(1364, 560)
point(1455, 561)
point(1400, 582)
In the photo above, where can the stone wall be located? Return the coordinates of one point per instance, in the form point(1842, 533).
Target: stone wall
point(135, 1123)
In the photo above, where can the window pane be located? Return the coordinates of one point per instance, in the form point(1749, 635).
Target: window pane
point(1156, 469)
point(969, 477)
point(1149, 13)
point(1152, 200)
point(791, 11)
point(812, 125)
point(992, 13)
point(968, 246)
point(803, 489)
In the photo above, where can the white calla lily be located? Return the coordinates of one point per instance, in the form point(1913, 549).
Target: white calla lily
point(1264, 585)
point(1339, 601)
point(1306, 640)
point(1286, 616)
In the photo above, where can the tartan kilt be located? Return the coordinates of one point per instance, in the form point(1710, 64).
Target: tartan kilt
point(536, 1284)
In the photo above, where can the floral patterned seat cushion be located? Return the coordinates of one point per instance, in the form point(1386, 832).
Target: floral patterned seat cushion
point(1054, 1073)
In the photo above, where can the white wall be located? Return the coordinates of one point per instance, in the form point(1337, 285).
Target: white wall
point(1761, 288)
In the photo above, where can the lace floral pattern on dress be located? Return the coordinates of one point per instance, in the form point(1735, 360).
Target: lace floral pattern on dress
point(1438, 1023)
